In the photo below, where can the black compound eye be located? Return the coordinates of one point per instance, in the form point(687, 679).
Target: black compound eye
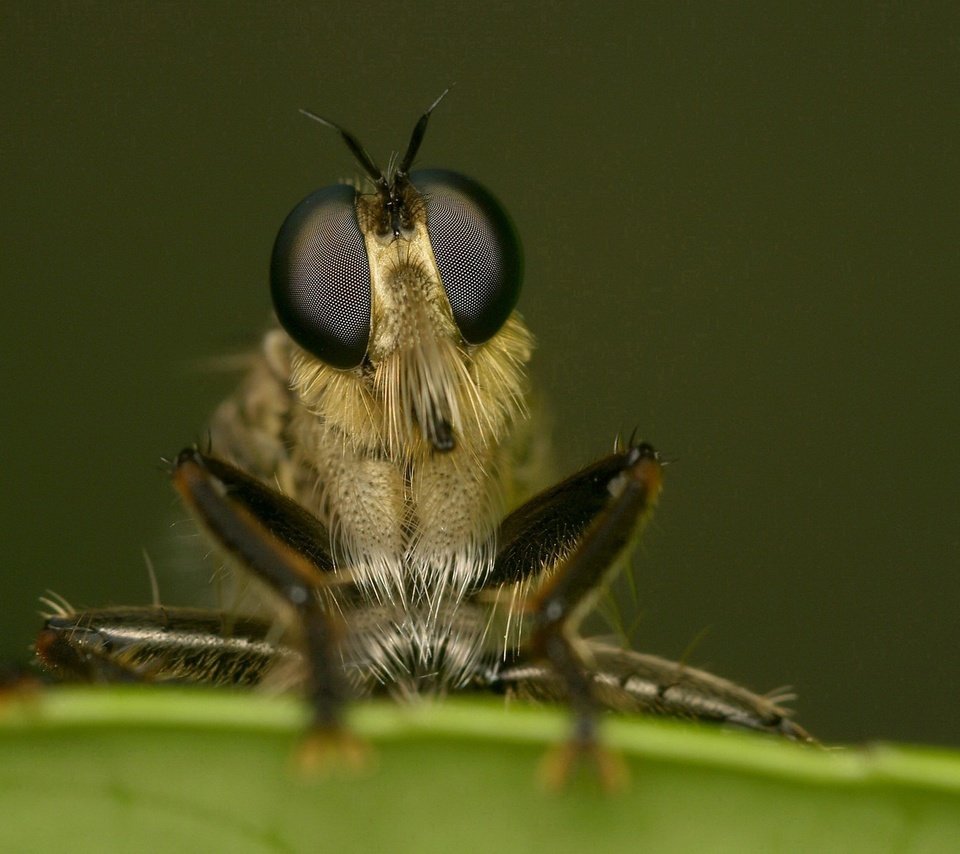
point(320, 277)
point(477, 251)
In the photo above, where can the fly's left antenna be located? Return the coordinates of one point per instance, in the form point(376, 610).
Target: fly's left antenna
point(417, 136)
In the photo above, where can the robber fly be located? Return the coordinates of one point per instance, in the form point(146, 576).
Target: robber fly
point(360, 474)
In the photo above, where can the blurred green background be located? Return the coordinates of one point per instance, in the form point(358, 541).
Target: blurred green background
point(741, 237)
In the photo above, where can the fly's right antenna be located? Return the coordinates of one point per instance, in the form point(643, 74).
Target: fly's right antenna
point(358, 151)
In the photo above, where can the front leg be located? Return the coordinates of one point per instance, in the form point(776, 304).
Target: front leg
point(561, 604)
point(282, 545)
point(575, 533)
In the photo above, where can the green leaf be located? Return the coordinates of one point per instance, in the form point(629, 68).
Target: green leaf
point(152, 769)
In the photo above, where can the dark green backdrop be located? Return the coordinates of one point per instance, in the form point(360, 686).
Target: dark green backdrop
point(740, 233)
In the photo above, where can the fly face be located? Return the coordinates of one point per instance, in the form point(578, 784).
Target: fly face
point(407, 295)
point(384, 408)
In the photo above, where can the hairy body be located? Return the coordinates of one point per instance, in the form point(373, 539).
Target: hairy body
point(361, 474)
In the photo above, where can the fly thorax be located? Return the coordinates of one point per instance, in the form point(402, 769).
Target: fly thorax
point(455, 502)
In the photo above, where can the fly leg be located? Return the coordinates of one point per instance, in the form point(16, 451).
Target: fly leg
point(576, 531)
point(285, 547)
point(571, 593)
point(160, 644)
point(634, 682)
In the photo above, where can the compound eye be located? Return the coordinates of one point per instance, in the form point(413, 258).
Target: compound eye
point(477, 251)
point(320, 277)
